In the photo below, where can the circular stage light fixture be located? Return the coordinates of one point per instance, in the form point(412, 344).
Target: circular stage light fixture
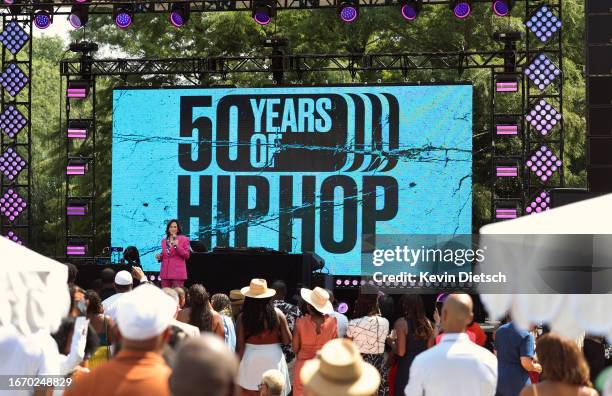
point(43, 18)
point(123, 15)
point(410, 9)
point(79, 16)
point(502, 7)
point(263, 11)
point(348, 11)
point(179, 14)
point(461, 8)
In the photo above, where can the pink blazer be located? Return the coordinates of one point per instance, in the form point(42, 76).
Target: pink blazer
point(173, 265)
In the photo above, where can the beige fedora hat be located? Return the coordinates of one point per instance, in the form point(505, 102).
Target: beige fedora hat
point(258, 289)
point(318, 298)
point(339, 370)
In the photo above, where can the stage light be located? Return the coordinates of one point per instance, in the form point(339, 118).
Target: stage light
point(76, 250)
point(540, 203)
point(342, 308)
point(542, 71)
point(506, 126)
point(77, 89)
point(543, 117)
point(77, 129)
point(14, 37)
point(348, 10)
point(543, 163)
point(13, 79)
point(410, 9)
point(502, 7)
point(543, 23)
point(11, 164)
point(12, 204)
point(79, 15)
point(506, 168)
point(123, 14)
point(179, 14)
point(11, 236)
point(502, 213)
point(43, 15)
point(461, 8)
point(76, 167)
point(263, 11)
point(505, 83)
point(76, 207)
point(12, 121)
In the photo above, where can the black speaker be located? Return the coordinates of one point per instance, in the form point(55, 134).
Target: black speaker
point(600, 179)
point(600, 59)
point(598, 7)
point(598, 29)
point(565, 196)
point(600, 121)
point(600, 153)
point(600, 90)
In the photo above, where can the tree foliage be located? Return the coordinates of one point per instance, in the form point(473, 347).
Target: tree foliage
point(308, 31)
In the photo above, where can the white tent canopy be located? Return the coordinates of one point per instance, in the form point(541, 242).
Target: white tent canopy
point(568, 314)
point(34, 292)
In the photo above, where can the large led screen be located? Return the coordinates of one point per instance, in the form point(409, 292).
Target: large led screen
point(291, 168)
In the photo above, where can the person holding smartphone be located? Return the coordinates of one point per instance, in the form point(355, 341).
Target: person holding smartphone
point(175, 252)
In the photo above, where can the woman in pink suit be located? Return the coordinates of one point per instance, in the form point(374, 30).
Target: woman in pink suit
point(175, 251)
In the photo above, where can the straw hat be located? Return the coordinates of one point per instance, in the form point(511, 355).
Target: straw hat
point(339, 370)
point(258, 289)
point(236, 297)
point(318, 298)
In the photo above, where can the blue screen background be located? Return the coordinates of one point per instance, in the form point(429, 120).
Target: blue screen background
point(435, 186)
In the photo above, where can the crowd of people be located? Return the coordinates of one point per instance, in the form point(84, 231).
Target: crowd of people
point(130, 337)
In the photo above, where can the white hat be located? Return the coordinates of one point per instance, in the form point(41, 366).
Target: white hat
point(318, 298)
point(258, 288)
point(339, 370)
point(123, 278)
point(144, 313)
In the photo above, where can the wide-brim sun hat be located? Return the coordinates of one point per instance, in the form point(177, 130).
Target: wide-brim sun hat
point(318, 298)
point(339, 370)
point(258, 288)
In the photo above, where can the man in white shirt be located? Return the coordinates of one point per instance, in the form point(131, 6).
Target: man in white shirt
point(123, 284)
point(456, 366)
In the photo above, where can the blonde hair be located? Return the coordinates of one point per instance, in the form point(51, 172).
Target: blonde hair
point(274, 380)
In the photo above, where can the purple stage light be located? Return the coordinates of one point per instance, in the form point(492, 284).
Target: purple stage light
point(261, 17)
point(77, 89)
point(11, 236)
point(506, 129)
point(542, 71)
point(42, 19)
point(12, 204)
point(462, 9)
point(506, 213)
point(14, 37)
point(506, 171)
point(12, 121)
point(76, 133)
point(176, 19)
point(348, 13)
point(543, 117)
point(543, 163)
point(543, 23)
point(76, 250)
point(507, 86)
point(13, 79)
point(501, 8)
point(540, 203)
point(11, 164)
point(123, 19)
point(77, 170)
point(342, 308)
point(76, 209)
point(338, 282)
point(409, 12)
